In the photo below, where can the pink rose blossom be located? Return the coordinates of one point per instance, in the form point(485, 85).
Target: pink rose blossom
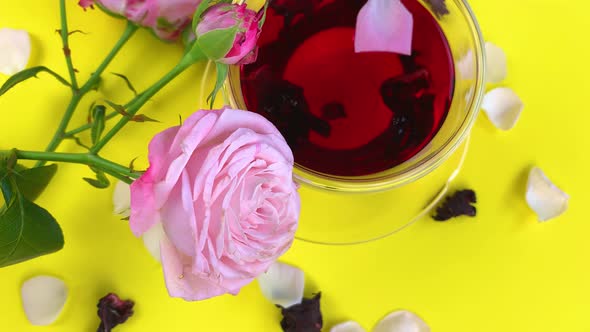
point(221, 186)
point(167, 18)
point(384, 26)
point(225, 16)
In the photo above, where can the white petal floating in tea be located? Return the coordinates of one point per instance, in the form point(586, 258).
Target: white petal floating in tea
point(349, 326)
point(282, 284)
point(496, 64)
point(503, 107)
point(122, 199)
point(15, 50)
point(43, 299)
point(384, 26)
point(401, 321)
point(152, 239)
point(544, 197)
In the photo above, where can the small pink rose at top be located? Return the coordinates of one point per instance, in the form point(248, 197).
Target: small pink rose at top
point(224, 16)
point(384, 26)
point(221, 186)
point(167, 18)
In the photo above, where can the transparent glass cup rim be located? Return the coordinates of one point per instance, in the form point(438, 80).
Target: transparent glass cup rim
point(380, 182)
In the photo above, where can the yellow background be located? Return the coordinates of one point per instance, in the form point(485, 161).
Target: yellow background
point(501, 271)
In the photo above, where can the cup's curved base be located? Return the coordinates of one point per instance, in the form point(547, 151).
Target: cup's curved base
point(332, 218)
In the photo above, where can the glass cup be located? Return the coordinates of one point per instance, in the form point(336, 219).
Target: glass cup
point(356, 209)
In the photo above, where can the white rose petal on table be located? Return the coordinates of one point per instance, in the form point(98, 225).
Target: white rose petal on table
point(401, 321)
point(496, 64)
point(503, 107)
point(15, 50)
point(543, 197)
point(350, 326)
point(282, 284)
point(43, 299)
point(122, 199)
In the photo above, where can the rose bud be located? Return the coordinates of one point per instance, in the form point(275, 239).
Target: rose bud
point(167, 18)
point(242, 26)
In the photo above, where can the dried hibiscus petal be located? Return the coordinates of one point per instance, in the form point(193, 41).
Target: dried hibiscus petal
point(113, 311)
point(285, 106)
point(333, 111)
point(457, 204)
point(291, 8)
point(303, 317)
point(439, 7)
point(405, 87)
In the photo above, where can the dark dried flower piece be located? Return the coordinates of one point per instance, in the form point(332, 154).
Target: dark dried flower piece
point(406, 87)
point(113, 311)
point(333, 111)
point(439, 7)
point(291, 8)
point(284, 104)
point(303, 317)
point(457, 204)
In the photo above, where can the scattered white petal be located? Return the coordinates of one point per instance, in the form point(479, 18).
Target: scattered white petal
point(15, 50)
point(349, 326)
point(401, 321)
point(496, 64)
point(282, 284)
point(503, 107)
point(43, 299)
point(466, 66)
point(544, 197)
point(152, 239)
point(122, 199)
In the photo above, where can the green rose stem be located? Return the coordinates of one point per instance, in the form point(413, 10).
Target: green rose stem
point(87, 126)
point(120, 172)
point(65, 34)
point(134, 105)
point(78, 93)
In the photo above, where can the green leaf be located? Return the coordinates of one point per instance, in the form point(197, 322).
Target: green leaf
point(8, 160)
point(222, 70)
point(217, 43)
point(26, 74)
point(26, 230)
point(101, 181)
point(127, 81)
point(119, 108)
point(98, 123)
point(32, 181)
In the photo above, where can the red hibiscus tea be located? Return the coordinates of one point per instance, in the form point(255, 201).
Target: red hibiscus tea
point(346, 113)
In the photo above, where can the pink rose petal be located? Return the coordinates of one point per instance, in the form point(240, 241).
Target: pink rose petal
point(384, 26)
point(221, 185)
